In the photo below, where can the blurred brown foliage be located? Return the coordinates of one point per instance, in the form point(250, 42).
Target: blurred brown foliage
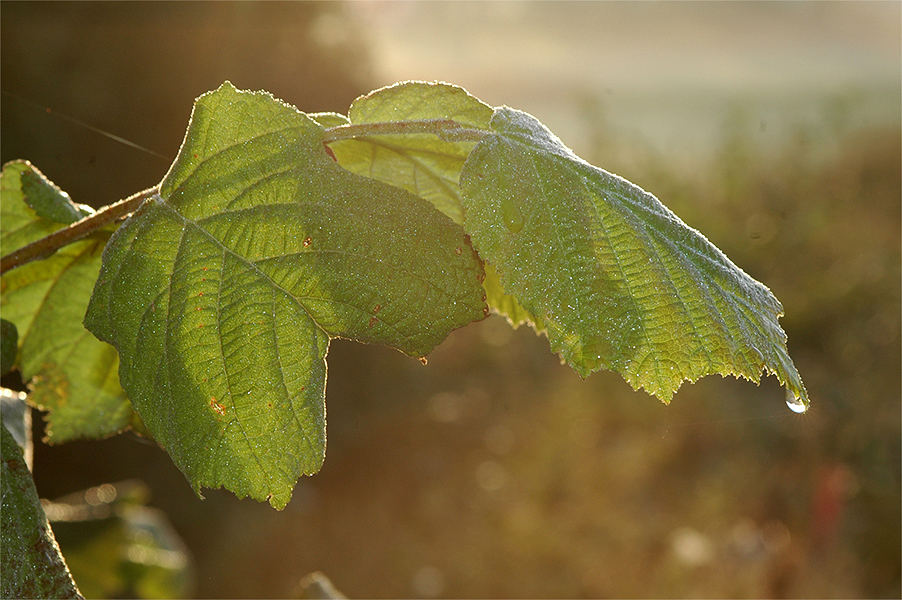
point(496, 472)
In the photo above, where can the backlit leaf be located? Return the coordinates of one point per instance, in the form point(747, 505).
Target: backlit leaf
point(423, 164)
point(618, 280)
point(71, 374)
point(222, 292)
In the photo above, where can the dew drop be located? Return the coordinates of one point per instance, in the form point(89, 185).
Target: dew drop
point(424, 360)
point(510, 213)
point(795, 403)
point(307, 241)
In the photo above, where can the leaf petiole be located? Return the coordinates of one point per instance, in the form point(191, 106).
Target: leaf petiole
point(80, 229)
point(446, 129)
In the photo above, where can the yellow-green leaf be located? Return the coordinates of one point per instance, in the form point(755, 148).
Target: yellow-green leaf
point(70, 374)
point(617, 279)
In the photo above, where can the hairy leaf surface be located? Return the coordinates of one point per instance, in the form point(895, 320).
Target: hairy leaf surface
point(71, 374)
point(222, 292)
point(423, 164)
point(29, 556)
point(618, 280)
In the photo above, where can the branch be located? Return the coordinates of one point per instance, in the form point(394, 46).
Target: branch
point(46, 246)
point(446, 129)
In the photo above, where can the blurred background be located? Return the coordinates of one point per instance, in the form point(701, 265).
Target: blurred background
point(773, 128)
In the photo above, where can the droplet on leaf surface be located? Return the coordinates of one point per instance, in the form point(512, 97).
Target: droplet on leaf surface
point(510, 212)
point(795, 403)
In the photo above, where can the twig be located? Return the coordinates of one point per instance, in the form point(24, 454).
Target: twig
point(80, 229)
point(446, 129)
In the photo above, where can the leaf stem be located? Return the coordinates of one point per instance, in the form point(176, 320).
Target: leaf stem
point(447, 129)
point(80, 229)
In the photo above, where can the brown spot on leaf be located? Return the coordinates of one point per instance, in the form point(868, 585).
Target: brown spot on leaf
point(217, 407)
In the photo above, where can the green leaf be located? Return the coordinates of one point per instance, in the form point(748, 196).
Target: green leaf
point(618, 280)
point(222, 292)
point(70, 373)
point(30, 559)
point(423, 164)
point(19, 223)
point(9, 344)
point(506, 305)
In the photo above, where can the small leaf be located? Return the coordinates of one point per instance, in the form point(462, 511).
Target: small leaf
point(47, 200)
point(70, 373)
point(30, 559)
point(618, 280)
point(118, 548)
point(9, 344)
point(19, 224)
point(422, 164)
point(222, 292)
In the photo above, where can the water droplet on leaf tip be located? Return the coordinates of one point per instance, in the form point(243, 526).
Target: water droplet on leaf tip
point(424, 360)
point(795, 403)
point(307, 241)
